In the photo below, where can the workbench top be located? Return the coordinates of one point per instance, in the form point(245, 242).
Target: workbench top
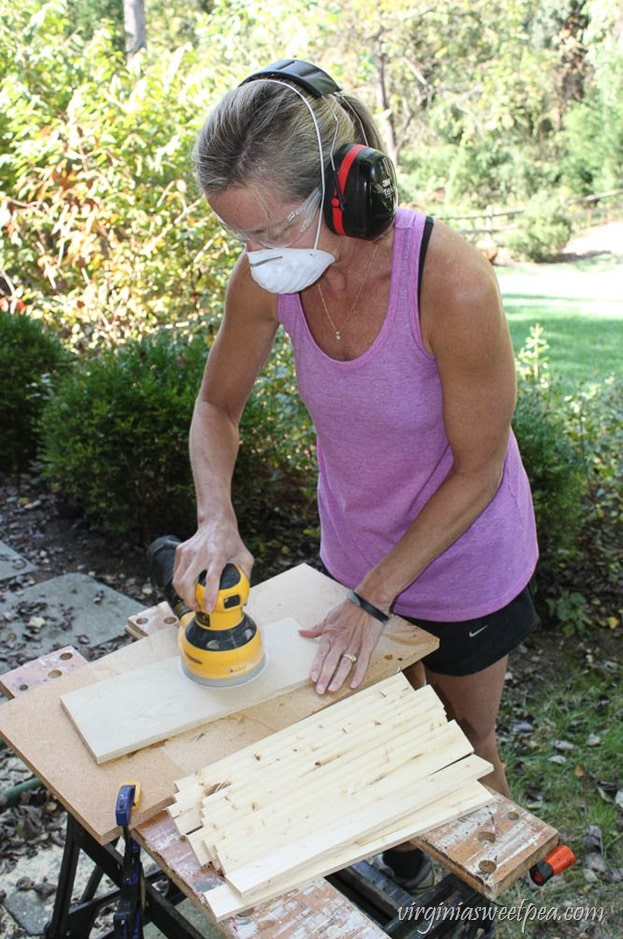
point(37, 728)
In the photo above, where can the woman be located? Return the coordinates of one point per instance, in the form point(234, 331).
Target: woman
point(404, 360)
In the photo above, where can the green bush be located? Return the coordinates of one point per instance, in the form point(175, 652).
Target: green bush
point(115, 441)
point(553, 460)
point(115, 435)
point(543, 230)
point(103, 228)
point(554, 466)
point(30, 359)
point(274, 485)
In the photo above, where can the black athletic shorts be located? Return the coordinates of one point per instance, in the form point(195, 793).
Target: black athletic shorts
point(468, 646)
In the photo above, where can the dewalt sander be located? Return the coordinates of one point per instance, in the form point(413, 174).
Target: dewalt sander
point(221, 648)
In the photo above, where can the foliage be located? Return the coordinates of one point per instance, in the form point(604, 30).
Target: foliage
point(115, 439)
point(31, 359)
point(592, 139)
point(553, 461)
point(594, 425)
point(104, 230)
point(115, 434)
point(542, 231)
point(274, 484)
point(571, 447)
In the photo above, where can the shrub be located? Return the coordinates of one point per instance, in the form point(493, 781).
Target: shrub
point(274, 486)
point(543, 230)
point(553, 461)
point(31, 358)
point(115, 435)
point(116, 441)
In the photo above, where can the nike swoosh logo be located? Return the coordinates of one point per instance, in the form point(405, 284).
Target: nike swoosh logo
point(474, 632)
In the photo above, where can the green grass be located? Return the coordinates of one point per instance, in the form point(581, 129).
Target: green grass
point(567, 771)
point(580, 307)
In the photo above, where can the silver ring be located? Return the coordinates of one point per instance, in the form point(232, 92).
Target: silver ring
point(351, 658)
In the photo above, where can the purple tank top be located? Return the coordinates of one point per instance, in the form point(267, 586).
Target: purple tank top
point(383, 451)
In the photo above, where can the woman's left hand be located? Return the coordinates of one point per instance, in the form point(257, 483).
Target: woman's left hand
point(346, 640)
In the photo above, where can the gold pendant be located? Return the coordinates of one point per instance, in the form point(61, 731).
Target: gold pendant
point(338, 335)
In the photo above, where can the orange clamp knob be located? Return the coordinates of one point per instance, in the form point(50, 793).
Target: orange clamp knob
point(556, 862)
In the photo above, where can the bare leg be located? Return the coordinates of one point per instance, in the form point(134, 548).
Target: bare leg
point(473, 701)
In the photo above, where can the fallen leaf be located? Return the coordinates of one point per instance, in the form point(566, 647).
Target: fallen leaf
point(522, 727)
point(593, 740)
point(613, 622)
point(593, 840)
point(595, 862)
point(579, 771)
point(618, 799)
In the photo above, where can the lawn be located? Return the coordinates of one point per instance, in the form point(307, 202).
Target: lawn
point(580, 307)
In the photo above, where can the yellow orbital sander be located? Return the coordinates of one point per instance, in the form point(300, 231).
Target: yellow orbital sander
point(222, 648)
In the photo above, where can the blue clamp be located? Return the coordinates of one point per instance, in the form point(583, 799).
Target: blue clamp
point(128, 796)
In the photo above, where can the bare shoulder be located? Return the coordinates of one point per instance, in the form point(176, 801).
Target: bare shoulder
point(460, 297)
point(245, 300)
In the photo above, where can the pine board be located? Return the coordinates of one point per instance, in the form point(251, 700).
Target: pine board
point(163, 702)
point(225, 901)
point(390, 762)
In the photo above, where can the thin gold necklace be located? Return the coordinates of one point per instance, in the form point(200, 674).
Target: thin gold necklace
point(338, 332)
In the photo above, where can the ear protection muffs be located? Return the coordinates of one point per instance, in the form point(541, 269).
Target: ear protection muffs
point(361, 194)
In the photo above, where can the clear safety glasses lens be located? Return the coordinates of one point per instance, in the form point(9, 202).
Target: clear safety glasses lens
point(283, 233)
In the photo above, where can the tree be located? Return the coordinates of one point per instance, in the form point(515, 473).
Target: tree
point(135, 30)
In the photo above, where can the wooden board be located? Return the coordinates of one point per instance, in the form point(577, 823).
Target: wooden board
point(391, 761)
point(317, 910)
point(225, 901)
point(164, 702)
point(38, 729)
point(46, 668)
point(492, 848)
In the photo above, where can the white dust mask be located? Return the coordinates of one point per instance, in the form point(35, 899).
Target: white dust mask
point(288, 270)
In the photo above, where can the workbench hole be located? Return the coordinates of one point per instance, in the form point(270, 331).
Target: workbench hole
point(513, 816)
point(55, 673)
point(169, 620)
point(487, 867)
point(65, 656)
point(23, 687)
point(141, 619)
point(486, 836)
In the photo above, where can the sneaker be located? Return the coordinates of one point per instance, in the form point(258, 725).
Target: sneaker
point(421, 878)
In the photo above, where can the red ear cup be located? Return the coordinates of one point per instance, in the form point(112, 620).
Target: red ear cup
point(336, 187)
point(361, 193)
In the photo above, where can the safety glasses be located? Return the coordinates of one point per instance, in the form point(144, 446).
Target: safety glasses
point(281, 234)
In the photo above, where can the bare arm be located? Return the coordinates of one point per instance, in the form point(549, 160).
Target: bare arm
point(237, 355)
point(464, 327)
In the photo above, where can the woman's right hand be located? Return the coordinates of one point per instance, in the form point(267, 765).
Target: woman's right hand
point(213, 545)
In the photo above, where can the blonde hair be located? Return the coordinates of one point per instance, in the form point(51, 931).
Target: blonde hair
point(262, 133)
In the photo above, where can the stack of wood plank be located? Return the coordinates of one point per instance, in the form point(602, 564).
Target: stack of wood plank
point(371, 771)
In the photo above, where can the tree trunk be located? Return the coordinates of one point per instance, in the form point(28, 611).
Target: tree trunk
point(135, 31)
point(382, 99)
